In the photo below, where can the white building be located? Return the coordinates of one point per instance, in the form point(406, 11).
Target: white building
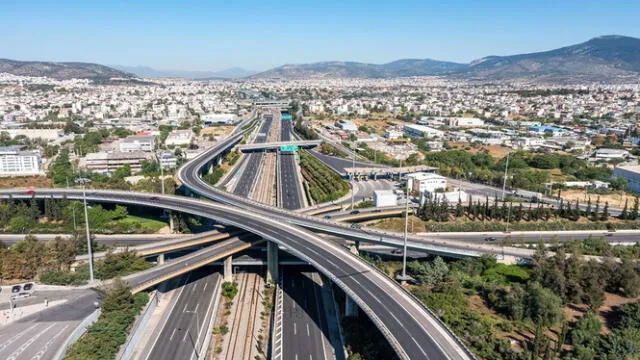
point(347, 125)
point(167, 160)
point(452, 197)
point(220, 119)
point(15, 162)
point(385, 198)
point(138, 143)
point(611, 154)
point(632, 174)
point(107, 162)
point(465, 122)
point(179, 138)
point(420, 130)
point(421, 182)
point(392, 134)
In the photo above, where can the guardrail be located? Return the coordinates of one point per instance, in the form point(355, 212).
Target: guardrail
point(126, 351)
point(77, 333)
point(207, 338)
point(276, 339)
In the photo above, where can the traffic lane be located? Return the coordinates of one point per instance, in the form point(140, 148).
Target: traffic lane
point(123, 239)
point(179, 339)
point(39, 336)
point(303, 322)
point(248, 176)
point(290, 183)
point(560, 236)
point(39, 296)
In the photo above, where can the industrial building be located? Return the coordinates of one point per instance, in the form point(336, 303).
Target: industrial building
point(107, 162)
point(138, 143)
point(421, 182)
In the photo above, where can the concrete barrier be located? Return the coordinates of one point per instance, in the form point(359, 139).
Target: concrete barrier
point(127, 350)
point(77, 333)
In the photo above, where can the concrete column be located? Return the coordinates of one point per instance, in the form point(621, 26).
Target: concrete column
point(160, 259)
point(272, 262)
point(228, 269)
point(351, 308)
point(211, 168)
point(172, 225)
point(355, 248)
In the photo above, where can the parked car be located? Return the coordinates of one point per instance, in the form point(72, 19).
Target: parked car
point(28, 287)
point(490, 239)
point(21, 295)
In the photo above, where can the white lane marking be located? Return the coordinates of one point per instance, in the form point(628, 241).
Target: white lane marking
point(308, 333)
point(195, 286)
point(172, 333)
point(40, 353)
point(28, 343)
point(16, 337)
point(295, 329)
point(196, 309)
point(185, 308)
point(205, 287)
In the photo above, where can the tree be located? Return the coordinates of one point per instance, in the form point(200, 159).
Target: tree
point(586, 332)
point(543, 306)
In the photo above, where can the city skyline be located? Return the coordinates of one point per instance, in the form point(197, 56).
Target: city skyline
point(256, 36)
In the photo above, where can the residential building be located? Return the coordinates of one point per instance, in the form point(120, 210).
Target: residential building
point(392, 134)
point(138, 143)
point(218, 119)
point(632, 174)
point(179, 138)
point(347, 125)
point(385, 198)
point(167, 159)
point(107, 162)
point(611, 154)
point(44, 134)
point(15, 162)
point(465, 122)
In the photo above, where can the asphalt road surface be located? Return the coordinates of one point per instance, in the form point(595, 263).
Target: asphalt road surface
point(39, 336)
point(291, 189)
point(340, 164)
point(253, 163)
point(184, 331)
point(304, 322)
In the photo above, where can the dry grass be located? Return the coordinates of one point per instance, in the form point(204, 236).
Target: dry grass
point(25, 182)
point(615, 200)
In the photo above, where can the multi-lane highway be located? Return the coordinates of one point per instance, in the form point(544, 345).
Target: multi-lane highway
point(402, 318)
point(40, 336)
point(289, 181)
point(183, 333)
point(304, 322)
point(253, 163)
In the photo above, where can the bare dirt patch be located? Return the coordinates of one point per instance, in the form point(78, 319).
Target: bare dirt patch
point(616, 199)
point(25, 182)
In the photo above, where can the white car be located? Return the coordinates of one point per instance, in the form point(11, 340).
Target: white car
point(21, 295)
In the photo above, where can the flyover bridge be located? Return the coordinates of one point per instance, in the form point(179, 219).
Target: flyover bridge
point(279, 145)
point(401, 318)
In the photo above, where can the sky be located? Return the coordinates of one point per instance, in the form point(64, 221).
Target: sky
point(261, 34)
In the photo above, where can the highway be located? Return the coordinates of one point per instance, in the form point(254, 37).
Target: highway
point(304, 321)
point(253, 163)
point(185, 328)
point(290, 185)
point(121, 239)
point(41, 335)
point(338, 164)
point(400, 317)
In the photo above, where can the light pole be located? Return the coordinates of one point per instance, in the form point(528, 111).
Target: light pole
point(84, 182)
point(353, 174)
point(406, 226)
point(504, 182)
point(161, 172)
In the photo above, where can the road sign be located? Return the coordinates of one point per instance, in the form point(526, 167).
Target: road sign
point(289, 148)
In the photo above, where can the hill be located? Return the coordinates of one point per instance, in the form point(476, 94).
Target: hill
point(61, 70)
point(601, 58)
point(406, 67)
point(148, 72)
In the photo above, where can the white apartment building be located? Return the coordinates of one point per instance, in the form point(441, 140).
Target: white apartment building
point(611, 154)
point(421, 182)
point(179, 138)
point(167, 160)
point(138, 143)
point(15, 162)
point(632, 174)
point(392, 134)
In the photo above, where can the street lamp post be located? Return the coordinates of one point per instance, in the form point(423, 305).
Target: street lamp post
point(161, 172)
point(504, 182)
point(84, 182)
point(194, 343)
point(353, 175)
point(406, 226)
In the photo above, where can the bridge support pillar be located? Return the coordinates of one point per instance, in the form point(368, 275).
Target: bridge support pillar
point(160, 259)
point(272, 262)
point(355, 248)
point(351, 308)
point(228, 269)
point(172, 225)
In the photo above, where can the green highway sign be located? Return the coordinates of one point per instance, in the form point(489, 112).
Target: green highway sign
point(289, 148)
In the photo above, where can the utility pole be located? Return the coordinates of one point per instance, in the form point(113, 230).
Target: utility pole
point(161, 171)
point(85, 181)
point(504, 182)
point(406, 226)
point(353, 175)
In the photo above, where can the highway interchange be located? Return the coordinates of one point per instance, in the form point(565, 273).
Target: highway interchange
point(413, 331)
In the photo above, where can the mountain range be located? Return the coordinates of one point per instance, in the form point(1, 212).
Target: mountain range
point(604, 58)
point(147, 72)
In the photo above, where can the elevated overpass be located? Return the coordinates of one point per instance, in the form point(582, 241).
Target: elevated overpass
point(400, 317)
point(272, 146)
